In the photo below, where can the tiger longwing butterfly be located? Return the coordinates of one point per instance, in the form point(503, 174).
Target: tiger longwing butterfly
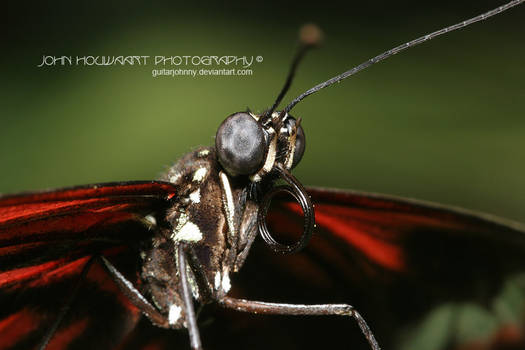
point(119, 250)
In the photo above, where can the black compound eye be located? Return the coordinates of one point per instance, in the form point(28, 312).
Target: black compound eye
point(300, 144)
point(300, 140)
point(240, 144)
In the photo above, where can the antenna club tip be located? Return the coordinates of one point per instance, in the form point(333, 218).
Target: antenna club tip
point(310, 35)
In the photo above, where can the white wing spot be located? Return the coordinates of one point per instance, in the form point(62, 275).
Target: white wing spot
point(174, 314)
point(195, 196)
point(200, 174)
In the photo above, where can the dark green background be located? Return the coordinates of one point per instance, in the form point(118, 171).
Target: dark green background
point(444, 121)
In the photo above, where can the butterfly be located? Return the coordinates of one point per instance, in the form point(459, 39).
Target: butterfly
point(67, 248)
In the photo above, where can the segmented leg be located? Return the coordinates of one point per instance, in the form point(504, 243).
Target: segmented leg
point(187, 297)
point(260, 307)
point(134, 295)
point(144, 305)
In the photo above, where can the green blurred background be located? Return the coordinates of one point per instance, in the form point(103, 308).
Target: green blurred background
point(443, 122)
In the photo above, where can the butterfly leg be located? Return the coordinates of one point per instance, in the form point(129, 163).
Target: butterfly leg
point(187, 297)
point(260, 307)
point(149, 310)
point(65, 308)
point(134, 295)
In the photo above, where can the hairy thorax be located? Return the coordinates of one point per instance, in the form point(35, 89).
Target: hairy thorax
point(212, 214)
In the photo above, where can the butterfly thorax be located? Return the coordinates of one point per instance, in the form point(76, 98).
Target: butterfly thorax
point(212, 215)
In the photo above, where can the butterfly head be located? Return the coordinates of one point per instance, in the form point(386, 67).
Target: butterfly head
point(264, 148)
point(253, 146)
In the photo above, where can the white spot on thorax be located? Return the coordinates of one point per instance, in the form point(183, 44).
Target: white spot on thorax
point(217, 280)
point(195, 196)
point(174, 314)
point(189, 232)
point(200, 174)
point(174, 178)
point(226, 283)
point(204, 153)
point(193, 284)
point(255, 178)
point(186, 230)
point(223, 283)
point(150, 221)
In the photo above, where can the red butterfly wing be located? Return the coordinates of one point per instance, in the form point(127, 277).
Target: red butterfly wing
point(396, 236)
point(397, 260)
point(45, 241)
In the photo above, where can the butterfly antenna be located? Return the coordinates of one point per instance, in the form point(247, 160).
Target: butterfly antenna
point(398, 49)
point(310, 36)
